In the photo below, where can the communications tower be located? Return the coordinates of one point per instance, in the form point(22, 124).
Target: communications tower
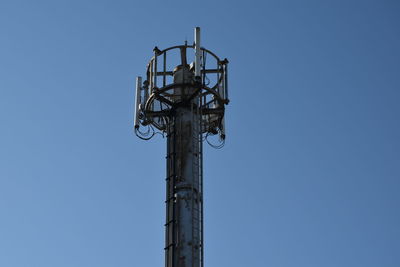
point(186, 102)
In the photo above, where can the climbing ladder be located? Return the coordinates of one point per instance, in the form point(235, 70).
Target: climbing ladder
point(170, 224)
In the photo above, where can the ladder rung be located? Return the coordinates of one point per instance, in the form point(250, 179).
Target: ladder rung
point(169, 222)
point(170, 245)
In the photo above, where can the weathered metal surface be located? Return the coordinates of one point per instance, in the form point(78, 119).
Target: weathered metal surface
point(184, 196)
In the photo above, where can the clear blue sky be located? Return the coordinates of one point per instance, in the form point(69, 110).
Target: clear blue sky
point(309, 176)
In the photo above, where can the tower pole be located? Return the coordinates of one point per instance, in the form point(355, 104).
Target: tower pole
point(184, 196)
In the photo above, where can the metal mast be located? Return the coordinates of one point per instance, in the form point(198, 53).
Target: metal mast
point(187, 103)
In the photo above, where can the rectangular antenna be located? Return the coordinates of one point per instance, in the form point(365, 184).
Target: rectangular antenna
point(223, 127)
point(197, 61)
point(138, 94)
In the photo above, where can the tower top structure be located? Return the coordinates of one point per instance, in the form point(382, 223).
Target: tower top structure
point(168, 77)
